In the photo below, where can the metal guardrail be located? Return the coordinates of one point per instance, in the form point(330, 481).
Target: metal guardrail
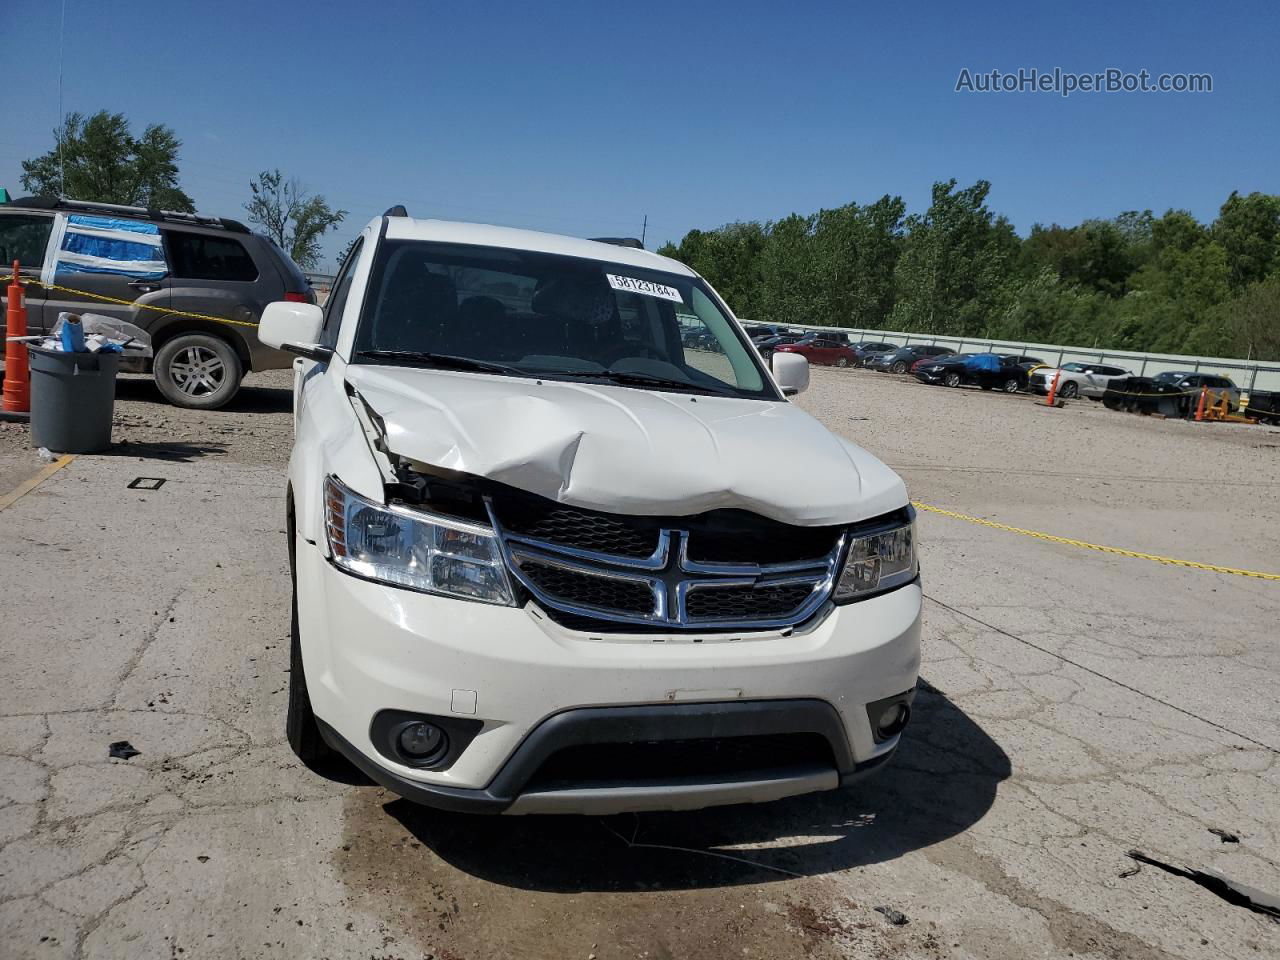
point(1247, 375)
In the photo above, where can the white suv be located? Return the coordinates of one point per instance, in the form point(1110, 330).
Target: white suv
point(552, 554)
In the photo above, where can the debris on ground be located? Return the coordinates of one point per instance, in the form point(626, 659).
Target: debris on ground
point(1237, 894)
point(896, 917)
point(1226, 836)
point(122, 750)
point(47, 455)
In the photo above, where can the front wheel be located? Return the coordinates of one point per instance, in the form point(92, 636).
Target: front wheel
point(1010, 385)
point(842, 361)
point(899, 367)
point(198, 370)
point(952, 380)
point(1069, 391)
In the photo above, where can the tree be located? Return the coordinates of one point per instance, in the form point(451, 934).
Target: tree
point(856, 249)
point(102, 161)
point(346, 250)
point(1253, 320)
point(292, 217)
point(957, 263)
point(1132, 281)
point(1249, 230)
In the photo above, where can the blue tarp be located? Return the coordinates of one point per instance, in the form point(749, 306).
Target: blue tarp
point(983, 361)
point(108, 245)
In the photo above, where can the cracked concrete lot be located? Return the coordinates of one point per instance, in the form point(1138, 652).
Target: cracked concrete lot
point(1074, 706)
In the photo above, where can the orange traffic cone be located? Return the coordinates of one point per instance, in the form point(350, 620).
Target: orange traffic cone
point(17, 379)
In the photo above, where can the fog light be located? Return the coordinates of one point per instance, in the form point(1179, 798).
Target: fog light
point(893, 720)
point(422, 741)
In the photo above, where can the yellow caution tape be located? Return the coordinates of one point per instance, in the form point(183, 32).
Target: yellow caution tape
point(1212, 567)
point(128, 303)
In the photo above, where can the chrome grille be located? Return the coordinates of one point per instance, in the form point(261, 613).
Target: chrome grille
point(606, 594)
point(744, 603)
point(580, 529)
point(580, 572)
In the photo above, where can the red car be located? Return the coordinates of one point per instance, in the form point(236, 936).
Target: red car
point(832, 353)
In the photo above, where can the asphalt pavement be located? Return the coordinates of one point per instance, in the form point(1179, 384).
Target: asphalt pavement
point(1074, 706)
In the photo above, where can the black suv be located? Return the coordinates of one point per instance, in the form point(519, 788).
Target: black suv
point(165, 267)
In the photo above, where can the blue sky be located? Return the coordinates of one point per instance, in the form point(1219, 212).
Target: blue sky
point(582, 118)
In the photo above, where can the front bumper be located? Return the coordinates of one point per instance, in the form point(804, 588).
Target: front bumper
point(369, 647)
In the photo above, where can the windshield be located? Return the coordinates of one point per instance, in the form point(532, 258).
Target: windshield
point(520, 313)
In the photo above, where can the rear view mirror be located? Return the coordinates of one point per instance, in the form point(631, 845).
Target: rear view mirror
point(791, 370)
point(294, 327)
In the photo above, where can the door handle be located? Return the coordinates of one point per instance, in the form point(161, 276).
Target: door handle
point(144, 286)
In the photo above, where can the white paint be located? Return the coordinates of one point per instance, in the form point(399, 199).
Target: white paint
point(628, 450)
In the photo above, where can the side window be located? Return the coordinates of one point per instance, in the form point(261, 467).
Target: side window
point(24, 238)
point(338, 298)
point(196, 256)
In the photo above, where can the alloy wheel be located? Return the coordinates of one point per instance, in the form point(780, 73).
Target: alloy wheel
point(198, 371)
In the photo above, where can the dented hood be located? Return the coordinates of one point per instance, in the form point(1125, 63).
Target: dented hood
point(629, 451)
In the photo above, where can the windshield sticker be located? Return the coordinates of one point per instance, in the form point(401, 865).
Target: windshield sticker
point(644, 287)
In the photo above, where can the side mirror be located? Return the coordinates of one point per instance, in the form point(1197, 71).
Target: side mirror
point(791, 370)
point(294, 327)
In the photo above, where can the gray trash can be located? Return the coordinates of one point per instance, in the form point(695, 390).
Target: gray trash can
point(72, 398)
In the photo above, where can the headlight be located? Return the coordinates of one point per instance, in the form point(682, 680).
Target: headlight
point(414, 550)
point(878, 561)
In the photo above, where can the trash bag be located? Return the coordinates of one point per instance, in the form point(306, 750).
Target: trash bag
point(126, 337)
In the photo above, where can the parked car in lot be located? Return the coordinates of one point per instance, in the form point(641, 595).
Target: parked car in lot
point(865, 350)
point(989, 371)
point(766, 345)
point(1077, 379)
point(537, 561)
point(154, 269)
point(901, 359)
point(1192, 382)
point(821, 349)
point(1020, 360)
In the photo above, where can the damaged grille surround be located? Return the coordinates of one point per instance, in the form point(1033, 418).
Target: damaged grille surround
point(666, 588)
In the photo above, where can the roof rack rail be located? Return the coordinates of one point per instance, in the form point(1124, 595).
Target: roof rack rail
point(397, 211)
point(631, 242)
point(145, 213)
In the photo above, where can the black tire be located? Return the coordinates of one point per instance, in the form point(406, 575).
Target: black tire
point(1010, 385)
point(900, 366)
point(952, 379)
point(300, 727)
point(1069, 391)
point(842, 361)
point(198, 370)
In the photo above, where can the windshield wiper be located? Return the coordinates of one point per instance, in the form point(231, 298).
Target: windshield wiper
point(653, 380)
point(445, 361)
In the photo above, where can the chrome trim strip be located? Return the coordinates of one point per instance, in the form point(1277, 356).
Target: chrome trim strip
point(744, 569)
point(655, 561)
